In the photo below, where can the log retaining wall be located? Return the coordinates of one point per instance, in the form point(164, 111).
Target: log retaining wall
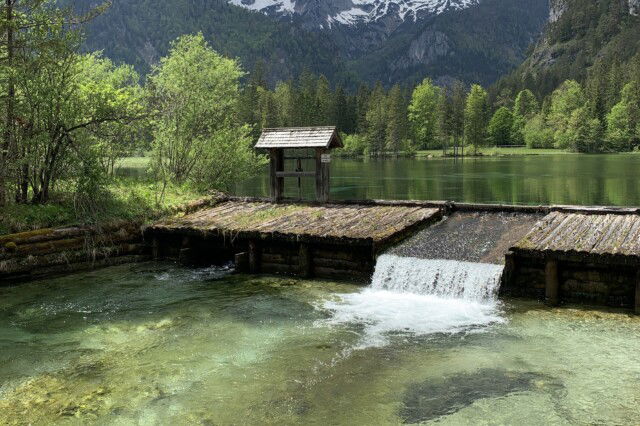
point(46, 252)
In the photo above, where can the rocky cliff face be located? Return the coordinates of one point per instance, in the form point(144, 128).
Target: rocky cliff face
point(556, 9)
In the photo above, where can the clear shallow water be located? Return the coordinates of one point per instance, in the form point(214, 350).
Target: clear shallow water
point(155, 343)
point(535, 179)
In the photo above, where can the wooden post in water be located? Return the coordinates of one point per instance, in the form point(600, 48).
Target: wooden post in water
point(155, 248)
point(552, 283)
point(184, 255)
point(304, 260)
point(254, 257)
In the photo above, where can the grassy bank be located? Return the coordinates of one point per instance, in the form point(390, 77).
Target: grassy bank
point(123, 199)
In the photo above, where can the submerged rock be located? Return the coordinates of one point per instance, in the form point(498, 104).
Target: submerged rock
point(432, 399)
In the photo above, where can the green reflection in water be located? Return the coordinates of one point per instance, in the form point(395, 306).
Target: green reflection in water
point(154, 343)
point(544, 179)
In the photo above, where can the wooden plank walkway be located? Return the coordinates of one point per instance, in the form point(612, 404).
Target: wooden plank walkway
point(332, 222)
point(591, 234)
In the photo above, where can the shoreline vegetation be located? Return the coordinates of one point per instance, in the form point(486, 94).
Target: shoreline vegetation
point(136, 199)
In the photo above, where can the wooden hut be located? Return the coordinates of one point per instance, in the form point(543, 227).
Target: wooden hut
point(284, 141)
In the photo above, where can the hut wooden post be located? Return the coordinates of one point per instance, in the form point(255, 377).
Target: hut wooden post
point(322, 175)
point(552, 283)
point(276, 156)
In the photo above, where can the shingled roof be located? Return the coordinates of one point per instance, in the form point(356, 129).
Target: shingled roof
point(300, 137)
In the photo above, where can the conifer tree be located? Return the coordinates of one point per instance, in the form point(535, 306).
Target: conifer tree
point(396, 120)
point(500, 127)
point(340, 115)
point(458, 103)
point(362, 107)
point(445, 118)
point(376, 125)
point(324, 112)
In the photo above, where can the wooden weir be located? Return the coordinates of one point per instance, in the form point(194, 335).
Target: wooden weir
point(327, 241)
point(571, 255)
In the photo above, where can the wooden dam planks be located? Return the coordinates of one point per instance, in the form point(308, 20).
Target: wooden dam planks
point(373, 224)
point(592, 234)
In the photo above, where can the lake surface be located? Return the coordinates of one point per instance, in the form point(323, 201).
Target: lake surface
point(159, 344)
point(535, 179)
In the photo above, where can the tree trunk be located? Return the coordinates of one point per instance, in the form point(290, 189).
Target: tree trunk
point(7, 144)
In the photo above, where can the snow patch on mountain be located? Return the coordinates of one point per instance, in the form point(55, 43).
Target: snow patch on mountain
point(353, 12)
point(279, 6)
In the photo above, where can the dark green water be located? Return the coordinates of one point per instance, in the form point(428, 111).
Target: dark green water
point(537, 179)
point(158, 344)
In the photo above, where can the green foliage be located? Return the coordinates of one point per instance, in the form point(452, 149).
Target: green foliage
point(568, 98)
point(354, 145)
point(198, 137)
point(121, 199)
point(74, 111)
point(500, 127)
point(423, 113)
point(536, 134)
point(623, 122)
point(584, 131)
point(475, 117)
point(526, 105)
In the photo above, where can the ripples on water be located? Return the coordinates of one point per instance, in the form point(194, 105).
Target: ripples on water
point(156, 343)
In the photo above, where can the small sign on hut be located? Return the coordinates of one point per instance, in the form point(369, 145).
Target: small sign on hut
point(289, 144)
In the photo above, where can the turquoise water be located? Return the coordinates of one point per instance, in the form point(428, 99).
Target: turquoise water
point(155, 343)
point(535, 179)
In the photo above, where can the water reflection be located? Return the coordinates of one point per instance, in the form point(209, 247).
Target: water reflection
point(544, 179)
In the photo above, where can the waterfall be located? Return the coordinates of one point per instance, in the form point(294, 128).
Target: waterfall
point(419, 297)
point(448, 279)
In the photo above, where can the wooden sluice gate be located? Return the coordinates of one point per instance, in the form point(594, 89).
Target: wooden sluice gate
point(311, 240)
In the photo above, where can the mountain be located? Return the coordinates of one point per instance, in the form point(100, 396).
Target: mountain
point(139, 32)
point(349, 41)
point(328, 13)
point(583, 37)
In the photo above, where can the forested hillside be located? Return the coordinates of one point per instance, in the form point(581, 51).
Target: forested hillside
point(475, 45)
point(478, 44)
point(140, 32)
point(587, 40)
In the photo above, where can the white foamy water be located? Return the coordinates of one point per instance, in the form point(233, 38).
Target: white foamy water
point(420, 297)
